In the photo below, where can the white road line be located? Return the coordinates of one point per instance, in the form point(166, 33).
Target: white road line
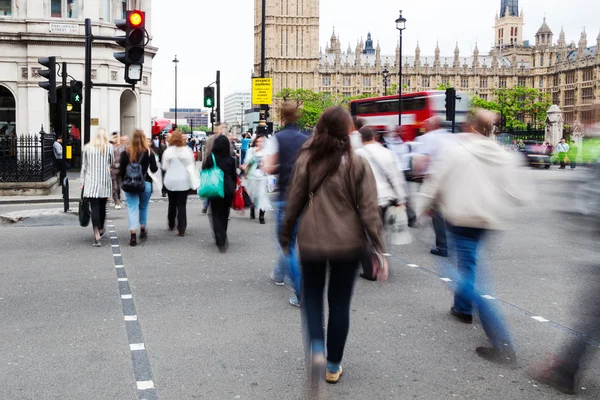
point(117, 255)
point(488, 297)
point(127, 296)
point(114, 245)
point(446, 279)
point(122, 279)
point(119, 266)
point(137, 346)
point(540, 319)
point(145, 385)
point(112, 231)
point(130, 317)
point(412, 265)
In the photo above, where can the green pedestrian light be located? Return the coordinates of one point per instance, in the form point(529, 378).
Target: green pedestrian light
point(209, 97)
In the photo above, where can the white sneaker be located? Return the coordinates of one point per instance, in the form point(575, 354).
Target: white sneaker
point(117, 206)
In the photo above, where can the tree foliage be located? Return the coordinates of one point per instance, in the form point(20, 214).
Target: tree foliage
point(186, 128)
point(443, 86)
point(518, 105)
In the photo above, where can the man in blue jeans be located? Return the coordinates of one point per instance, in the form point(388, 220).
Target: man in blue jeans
point(476, 184)
point(281, 152)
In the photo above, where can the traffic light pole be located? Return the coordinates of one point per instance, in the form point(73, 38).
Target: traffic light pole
point(218, 96)
point(87, 101)
point(63, 104)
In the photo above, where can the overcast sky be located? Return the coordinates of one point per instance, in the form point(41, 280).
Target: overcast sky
point(210, 35)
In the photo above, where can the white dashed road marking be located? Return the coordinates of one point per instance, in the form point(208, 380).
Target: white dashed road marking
point(539, 319)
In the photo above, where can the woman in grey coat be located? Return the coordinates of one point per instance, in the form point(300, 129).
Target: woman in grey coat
point(98, 156)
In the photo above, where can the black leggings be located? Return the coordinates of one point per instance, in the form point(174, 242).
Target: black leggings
point(98, 212)
point(220, 215)
point(177, 208)
point(339, 294)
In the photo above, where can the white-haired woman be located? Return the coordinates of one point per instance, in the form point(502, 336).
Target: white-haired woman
point(96, 181)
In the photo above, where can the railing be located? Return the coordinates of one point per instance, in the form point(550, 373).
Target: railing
point(508, 137)
point(26, 158)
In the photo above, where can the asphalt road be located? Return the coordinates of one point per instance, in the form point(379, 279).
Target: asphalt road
point(213, 326)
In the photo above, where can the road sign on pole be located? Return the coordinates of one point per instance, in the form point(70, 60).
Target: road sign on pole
point(262, 91)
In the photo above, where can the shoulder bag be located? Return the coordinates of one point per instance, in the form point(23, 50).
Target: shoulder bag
point(84, 212)
point(212, 181)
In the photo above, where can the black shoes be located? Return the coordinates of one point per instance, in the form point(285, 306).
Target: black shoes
point(465, 318)
point(133, 240)
point(556, 373)
point(493, 354)
point(252, 213)
point(143, 233)
point(439, 252)
point(204, 211)
point(261, 217)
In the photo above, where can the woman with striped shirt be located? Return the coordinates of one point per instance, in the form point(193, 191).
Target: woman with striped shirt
point(98, 156)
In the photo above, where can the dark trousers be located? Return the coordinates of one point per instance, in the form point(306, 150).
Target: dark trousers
point(339, 294)
point(177, 209)
point(561, 158)
point(220, 214)
point(98, 212)
point(58, 164)
point(439, 226)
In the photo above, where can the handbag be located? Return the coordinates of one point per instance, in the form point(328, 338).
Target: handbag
point(396, 225)
point(212, 181)
point(247, 200)
point(84, 213)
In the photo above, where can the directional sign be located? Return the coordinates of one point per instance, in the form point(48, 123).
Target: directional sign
point(262, 90)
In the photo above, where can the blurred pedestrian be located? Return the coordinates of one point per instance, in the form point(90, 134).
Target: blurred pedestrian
point(572, 154)
point(256, 179)
point(246, 140)
point(334, 193)
point(180, 172)
point(137, 158)
point(98, 156)
point(207, 150)
point(389, 180)
point(476, 184)
point(281, 152)
point(562, 149)
point(355, 138)
point(220, 207)
point(57, 149)
point(119, 147)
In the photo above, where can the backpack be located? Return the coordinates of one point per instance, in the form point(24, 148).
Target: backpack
point(135, 179)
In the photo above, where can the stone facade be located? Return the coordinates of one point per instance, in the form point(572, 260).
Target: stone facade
point(569, 73)
point(30, 29)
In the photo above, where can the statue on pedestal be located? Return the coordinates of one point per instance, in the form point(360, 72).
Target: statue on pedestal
point(554, 125)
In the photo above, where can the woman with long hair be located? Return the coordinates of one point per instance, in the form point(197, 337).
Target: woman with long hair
point(256, 179)
point(96, 181)
point(220, 206)
point(333, 193)
point(141, 157)
point(178, 164)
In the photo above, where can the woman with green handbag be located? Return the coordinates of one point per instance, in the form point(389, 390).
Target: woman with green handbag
point(220, 205)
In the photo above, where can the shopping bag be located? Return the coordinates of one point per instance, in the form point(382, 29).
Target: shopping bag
point(212, 182)
point(84, 212)
point(396, 226)
point(247, 200)
point(238, 199)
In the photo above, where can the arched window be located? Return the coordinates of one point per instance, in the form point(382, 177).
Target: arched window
point(8, 112)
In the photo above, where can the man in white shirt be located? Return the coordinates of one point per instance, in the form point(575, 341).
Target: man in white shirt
point(562, 149)
point(355, 138)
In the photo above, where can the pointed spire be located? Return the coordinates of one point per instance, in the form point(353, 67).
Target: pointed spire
point(475, 56)
point(561, 38)
point(349, 51)
point(456, 57)
point(582, 44)
point(495, 57)
point(418, 55)
point(436, 60)
point(378, 48)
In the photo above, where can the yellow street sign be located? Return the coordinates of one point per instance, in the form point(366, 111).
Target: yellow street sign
point(262, 90)
point(69, 152)
point(94, 122)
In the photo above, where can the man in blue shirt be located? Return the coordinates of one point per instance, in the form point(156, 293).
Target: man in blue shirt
point(281, 153)
point(245, 146)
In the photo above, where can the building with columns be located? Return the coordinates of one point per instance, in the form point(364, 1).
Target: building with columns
point(30, 29)
point(569, 73)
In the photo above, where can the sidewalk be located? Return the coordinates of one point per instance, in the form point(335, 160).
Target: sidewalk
point(56, 195)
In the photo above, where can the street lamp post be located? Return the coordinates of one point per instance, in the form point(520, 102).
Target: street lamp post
point(175, 61)
point(242, 120)
point(385, 74)
point(400, 25)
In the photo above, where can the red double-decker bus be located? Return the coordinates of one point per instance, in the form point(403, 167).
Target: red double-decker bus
point(381, 113)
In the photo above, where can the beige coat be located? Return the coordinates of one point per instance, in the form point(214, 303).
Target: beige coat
point(476, 183)
point(336, 219)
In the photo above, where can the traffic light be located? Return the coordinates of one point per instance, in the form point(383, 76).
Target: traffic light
point(212, 117)
point(50, 74)
point(209, 97)
point(450, 104)
point(76, 92)
point(134, 42)
point(267, 115)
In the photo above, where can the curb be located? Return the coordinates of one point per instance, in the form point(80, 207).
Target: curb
point(49, 201)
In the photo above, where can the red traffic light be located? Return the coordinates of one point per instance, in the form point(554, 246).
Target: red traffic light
point(136, 18)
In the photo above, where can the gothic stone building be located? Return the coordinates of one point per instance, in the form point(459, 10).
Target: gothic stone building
point(570, 73)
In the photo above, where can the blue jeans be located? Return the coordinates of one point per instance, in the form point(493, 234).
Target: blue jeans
point(137, 207)
point(287, 265)
point(467, 242)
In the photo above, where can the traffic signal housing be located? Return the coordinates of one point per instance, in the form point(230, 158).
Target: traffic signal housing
point(209, 97)
point(50, 74)
point(76, 92)
point(134, 42)
point(212, 117)
point(450, 104)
